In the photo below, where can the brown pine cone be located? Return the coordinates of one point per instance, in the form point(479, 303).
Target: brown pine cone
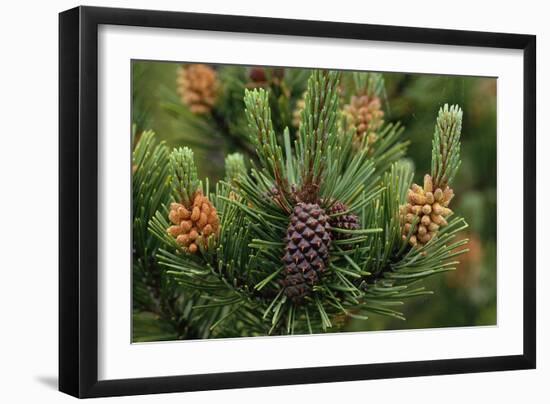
point(306, 256)
point(347, 221)
point(259, 77)
point(365, 114)
point(194, 225)
point(430, 206)
point(197, 86)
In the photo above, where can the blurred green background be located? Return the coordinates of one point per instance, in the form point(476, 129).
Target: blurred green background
point(465, 297)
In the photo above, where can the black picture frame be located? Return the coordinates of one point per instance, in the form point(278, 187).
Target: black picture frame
point(78, 201)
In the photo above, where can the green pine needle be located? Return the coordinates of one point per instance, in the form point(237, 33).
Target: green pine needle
point(185, 182)
point(234, 167)
point(446, 145)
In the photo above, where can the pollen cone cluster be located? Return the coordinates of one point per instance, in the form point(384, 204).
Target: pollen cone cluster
point(306, 256)
point(197, 86)
point(347, 221)
point(365, 114)
point(193, 225)
point(425, 211)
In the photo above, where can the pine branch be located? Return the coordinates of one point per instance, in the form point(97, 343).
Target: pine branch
point(263, 137)
point(317, 130)
point(153, 290)
point(369, 269)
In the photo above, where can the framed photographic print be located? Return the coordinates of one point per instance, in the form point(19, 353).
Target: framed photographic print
point(251, 201)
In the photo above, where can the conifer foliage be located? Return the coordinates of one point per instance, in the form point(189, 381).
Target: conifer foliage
point(428, 207)
point(320, 223)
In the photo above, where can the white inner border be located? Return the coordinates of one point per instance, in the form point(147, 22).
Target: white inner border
point(118, 358)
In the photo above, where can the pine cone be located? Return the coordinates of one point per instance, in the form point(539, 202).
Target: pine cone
point(197, 86)
point(347, 221)
point(307, 249)
point(259, 77)
point(431, 206)
point(366, 115)
point(193, 225)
